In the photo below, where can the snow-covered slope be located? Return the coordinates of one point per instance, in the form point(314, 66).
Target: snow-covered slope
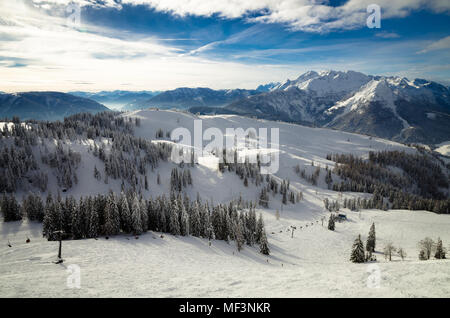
point(315, 263)
point(297, 145)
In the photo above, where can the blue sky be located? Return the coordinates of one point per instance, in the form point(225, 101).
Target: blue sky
point(163, 44)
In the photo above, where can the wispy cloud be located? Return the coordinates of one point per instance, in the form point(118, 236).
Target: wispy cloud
point(387, 35)
point(442, 44)
point(241, 36)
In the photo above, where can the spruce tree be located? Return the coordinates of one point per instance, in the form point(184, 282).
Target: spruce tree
point(371, 239)
point(263, 244)
point(238, 235)
point(76, 222)
point(144, 215)
point(174, 224)
point(94, 224)
point(195, 223)
point(184, 220)
point(136, 217)
point(357, 255)
point(259, 229)
point(125, 214)
point(331, 223)
point(112, 218)
point(48, 226)
point(440, 251)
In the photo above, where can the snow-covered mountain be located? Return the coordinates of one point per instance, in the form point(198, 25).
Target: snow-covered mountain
point(388, 107)
point(46, 105)
point(185, 97)
point(267, 87)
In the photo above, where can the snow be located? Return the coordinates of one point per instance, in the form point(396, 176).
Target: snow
point(431, 115)
point(312, 264)
point(377, 90)
point(9, 125)
point(315, 263)
point(328, 82)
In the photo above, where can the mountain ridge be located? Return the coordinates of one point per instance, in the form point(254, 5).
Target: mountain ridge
point(389, 107)
point(46, 105)
point(186, 97)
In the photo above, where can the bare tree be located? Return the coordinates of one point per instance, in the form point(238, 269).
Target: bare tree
point(389, 248)
point(277, 215)
point(401, 252)
point(427, 245)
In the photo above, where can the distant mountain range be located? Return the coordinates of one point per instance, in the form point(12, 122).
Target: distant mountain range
point(389, 107)
point(184, 98)
point(45, 105)
point(118, 98)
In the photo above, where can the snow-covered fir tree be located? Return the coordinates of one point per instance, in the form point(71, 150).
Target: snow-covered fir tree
point(136, 216)
point(357, 255)
point(440, 250)
point(371, 239)
point(264, 244)
point(331, 223)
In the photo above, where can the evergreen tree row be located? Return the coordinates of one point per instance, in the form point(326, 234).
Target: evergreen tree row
point(421, 186)
point(93, 216)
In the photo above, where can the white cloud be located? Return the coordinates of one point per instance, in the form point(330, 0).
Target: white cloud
point(387, 35)
point(305, 15)
point(53, 56)
point(442, 44)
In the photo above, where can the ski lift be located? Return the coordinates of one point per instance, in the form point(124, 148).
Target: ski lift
point(293, 229)
point(60, 259)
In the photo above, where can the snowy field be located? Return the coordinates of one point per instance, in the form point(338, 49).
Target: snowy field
point(315, 263)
